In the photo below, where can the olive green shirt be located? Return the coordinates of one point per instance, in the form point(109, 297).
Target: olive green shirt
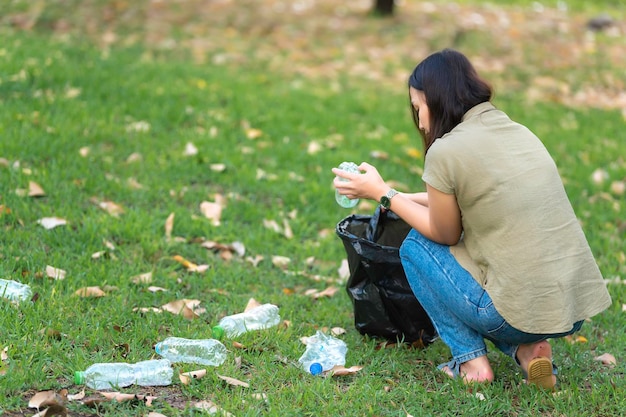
point(521, 239)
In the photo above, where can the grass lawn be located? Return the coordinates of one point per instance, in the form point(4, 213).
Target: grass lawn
point(122, 131)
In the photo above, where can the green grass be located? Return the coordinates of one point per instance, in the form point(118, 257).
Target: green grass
point(43, 127)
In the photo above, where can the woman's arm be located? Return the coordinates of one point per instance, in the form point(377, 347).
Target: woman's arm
point(419, 198)
point(434, 214)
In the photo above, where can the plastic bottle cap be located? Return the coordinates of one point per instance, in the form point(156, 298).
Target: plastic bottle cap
point(315, 368)
point(218, 332)
point(157, 348)
point(78, 378)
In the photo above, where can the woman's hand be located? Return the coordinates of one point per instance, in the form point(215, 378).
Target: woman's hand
point(368, 184)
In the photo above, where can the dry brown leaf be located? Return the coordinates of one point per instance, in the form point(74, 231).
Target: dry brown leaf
point(148, 310)
point(336, 331)
point(35, 190)
point(606, 359)
point(76, 397)
point(90, 292)
point(255, 260)
point(212, 211)
point(186, 377)
point(55, 273)
point(218, 167)
point(155, 414)
point(157, 289)
point(233, 381)
point(252, 133)
point(186, 308)
point(190, 149)
point(144, 278)
point(339, 370)
point(344, 270)
point(122, 397)
point(112, 208)
point(211, 408)
point(252, 303)
point(280, 261)
point(169, 226)
point(134, 157)
point(190, 266)
point(47, 399)
point(328, 292)
point(51, 222)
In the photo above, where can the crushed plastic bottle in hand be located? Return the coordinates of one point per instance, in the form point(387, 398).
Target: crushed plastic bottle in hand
point(209, 352)
point(103, 376)
point(257, 318)
point(322, 353)
point(342, 200)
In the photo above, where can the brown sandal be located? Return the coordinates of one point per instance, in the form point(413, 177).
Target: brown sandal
point(540, 372)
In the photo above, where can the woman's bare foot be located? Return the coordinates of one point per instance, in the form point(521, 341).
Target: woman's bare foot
point(475, 370)
point(527, 353)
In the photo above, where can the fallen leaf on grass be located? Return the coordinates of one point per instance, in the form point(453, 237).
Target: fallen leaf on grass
point(55, 273)
point(47, 398)
point(606, 359)
point(577, 339)
point(90, 292)
point(190, 266)
point(328, 292)
point(233, 381)
point(155, 414)
point(339, 370)
point(190, 149)
point(235, 247)
point(110, 207)
point(121, 397)
point(187, 377)
point(144, 278)
point(252, 303)
point(211, 408)
point(157, 289)
point(4, 359)
point(51, 222)
point(187, 308)
point(212, 211)
point(169, 226)
point(35, 190)
point(280, 261)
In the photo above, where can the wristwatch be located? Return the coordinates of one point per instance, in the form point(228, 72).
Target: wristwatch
point(385, 201)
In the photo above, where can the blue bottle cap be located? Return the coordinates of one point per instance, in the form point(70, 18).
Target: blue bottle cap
point(315, 368)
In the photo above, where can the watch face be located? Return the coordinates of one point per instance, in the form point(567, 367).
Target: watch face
point(385, 202)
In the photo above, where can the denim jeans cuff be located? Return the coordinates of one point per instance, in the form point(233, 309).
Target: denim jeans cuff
point(471, 355)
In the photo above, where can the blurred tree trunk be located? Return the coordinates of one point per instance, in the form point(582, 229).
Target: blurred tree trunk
point(383, 7)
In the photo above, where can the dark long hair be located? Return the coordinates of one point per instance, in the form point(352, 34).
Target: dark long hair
point(451, 86)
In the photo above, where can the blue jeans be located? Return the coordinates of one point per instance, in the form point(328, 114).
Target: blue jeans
point(460, 309)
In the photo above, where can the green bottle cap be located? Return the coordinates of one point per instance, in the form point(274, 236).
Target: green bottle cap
point(218, 332)
point(79, 377)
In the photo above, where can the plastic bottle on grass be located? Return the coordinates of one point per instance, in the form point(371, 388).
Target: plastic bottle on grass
point(342, 200)
point(209, 352)
point(257, 318)
point(102, 376)
point(15, 291)
point(322, 353)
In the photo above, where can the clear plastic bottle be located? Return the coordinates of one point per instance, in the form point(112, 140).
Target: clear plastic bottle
point(209, 352)
point(342, 200)
point(102, 376)
point(257, 318)
point(15, 291)
point(322, 353)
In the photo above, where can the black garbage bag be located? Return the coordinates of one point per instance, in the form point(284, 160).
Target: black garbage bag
point(384, 304)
